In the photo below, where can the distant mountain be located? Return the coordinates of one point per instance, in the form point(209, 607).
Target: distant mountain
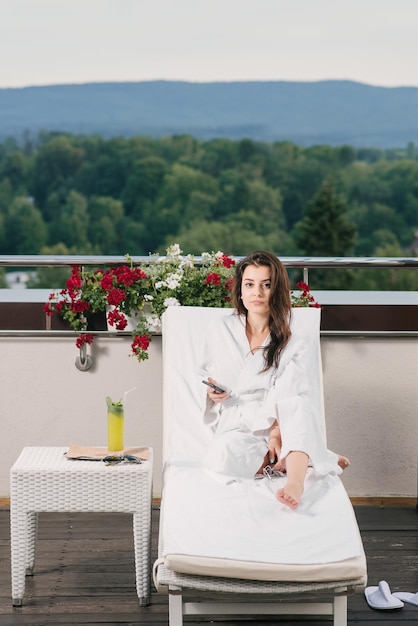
point(329, 112)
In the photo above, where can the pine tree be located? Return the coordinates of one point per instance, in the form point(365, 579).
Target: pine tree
point(326, 231)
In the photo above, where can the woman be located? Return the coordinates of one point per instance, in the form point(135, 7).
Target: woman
point(264, 415)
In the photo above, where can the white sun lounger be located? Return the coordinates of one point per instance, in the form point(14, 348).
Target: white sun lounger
point(234, 536)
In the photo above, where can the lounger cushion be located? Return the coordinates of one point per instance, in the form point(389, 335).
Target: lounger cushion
point(213, 528)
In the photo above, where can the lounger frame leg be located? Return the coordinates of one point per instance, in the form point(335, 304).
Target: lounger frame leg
point(175, 606)
point(340, 610)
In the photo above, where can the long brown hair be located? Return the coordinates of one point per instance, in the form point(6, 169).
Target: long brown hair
point(279, 302)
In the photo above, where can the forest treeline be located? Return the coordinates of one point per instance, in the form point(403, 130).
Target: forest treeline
point(69, 194)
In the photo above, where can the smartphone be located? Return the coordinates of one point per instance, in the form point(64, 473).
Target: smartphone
point(214, 387)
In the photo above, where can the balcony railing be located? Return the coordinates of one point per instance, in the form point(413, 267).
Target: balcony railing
point(301, 262)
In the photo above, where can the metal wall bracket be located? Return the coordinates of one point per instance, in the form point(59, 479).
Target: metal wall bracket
point(84, 361)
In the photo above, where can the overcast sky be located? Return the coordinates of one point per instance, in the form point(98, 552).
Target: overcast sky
point(78, 41)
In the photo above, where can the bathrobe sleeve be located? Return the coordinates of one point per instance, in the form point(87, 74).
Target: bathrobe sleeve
point(207, 367)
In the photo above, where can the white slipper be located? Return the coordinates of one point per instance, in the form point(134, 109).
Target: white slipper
point(406, 596)
point(381, 597)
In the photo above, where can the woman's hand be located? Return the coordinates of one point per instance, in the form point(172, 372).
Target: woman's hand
point(216, 396)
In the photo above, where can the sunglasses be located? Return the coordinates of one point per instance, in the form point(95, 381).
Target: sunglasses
point(121, 458)
point(270, 473)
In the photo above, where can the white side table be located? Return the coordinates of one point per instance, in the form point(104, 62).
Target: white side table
point(44, 480)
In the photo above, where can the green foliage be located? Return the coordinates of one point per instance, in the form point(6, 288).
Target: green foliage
point(97, 196)
point(3, 281)
point(24, 228)
point(325, 229)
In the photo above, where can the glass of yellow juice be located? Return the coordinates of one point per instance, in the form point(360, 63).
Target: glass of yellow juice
point(115, 426)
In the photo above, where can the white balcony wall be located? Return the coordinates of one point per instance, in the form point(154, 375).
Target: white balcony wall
point(371, 404)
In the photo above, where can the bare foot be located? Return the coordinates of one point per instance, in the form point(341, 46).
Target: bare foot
point(343, 462)
point(290, 494)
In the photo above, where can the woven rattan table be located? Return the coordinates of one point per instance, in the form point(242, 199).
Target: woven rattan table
point(44, 480)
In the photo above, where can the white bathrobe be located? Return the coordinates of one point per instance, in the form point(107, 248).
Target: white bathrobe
point(242, 422)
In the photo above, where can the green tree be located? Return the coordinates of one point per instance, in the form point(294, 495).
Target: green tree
point(300, 186)
point(266, 202)
point(216, 156)
point(234, 194)
point(143, 185)
point(55, 166)
point(24, 227)
point(72, 225)
point(176, 203)
point(2, 233)
point(204, 236)
point(235, 236)
point(326, 231)
point(134, 238)
point(371, 219)
point(105, 172)
point(13, 169)
point(105, 224)
point(3, 281)
point(6, 195)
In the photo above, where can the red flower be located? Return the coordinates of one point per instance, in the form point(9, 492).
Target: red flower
point(213, 279)
point(224, 260)
point(302, 286)
point(106, 282)
point(127, 276)
point(115, 296)
point(140, 343)
point(79, 306)
point(84, 338)
point(75, 281)
point(305, 298)
point(117, 319)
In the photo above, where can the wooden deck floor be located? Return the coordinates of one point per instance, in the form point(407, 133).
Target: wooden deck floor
point(84, 572)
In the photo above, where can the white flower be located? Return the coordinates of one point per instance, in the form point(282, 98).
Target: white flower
point(174, 280)
point(187, 261)
point(156, 322)
point(148, 297)
point(171, 302)
point(174, 250)
point(153, 321)
point(206, 256)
